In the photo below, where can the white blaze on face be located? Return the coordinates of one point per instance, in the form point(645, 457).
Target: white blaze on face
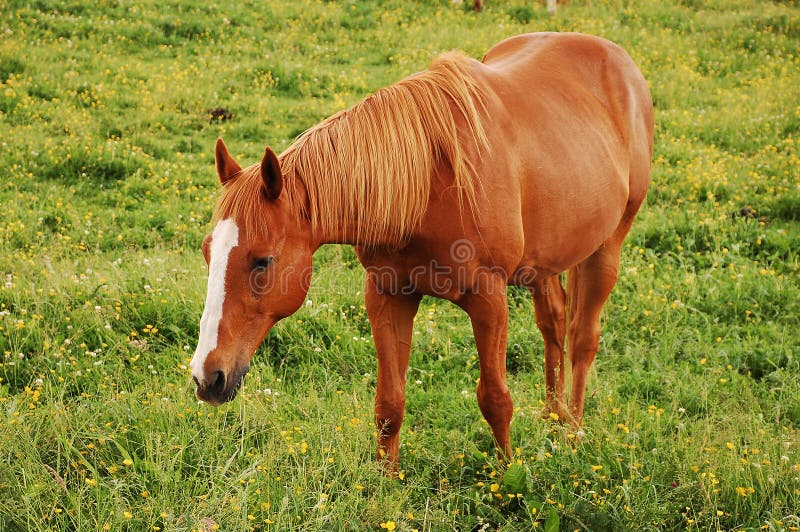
point(224, 238)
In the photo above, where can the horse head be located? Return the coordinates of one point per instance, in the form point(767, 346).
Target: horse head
point(259, 267)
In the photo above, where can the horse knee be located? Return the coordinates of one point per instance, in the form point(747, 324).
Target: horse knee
point(495, 404)
point(389, 415)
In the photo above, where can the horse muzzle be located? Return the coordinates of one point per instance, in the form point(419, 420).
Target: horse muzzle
point(219, 387)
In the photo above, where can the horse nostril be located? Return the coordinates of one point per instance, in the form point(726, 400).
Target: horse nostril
point(217, 381)
point(196, 382)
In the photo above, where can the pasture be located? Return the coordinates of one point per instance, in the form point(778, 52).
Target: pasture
point(108, 116)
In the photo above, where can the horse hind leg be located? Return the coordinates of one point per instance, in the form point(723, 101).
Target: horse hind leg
point(588, 286)
point(590, 282)
point(549, 305)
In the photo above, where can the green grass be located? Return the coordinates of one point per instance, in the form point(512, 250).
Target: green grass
point(693, 408)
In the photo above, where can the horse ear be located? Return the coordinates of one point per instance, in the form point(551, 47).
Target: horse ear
point(226, 166)
point(271, 175)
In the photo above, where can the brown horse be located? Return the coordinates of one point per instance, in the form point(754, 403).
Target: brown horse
point(454, 182)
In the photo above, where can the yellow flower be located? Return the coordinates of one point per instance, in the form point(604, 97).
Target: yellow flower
point(91, 482)
point(127, 515)
point(494, 487)
point(389, 525)
point(127, 462)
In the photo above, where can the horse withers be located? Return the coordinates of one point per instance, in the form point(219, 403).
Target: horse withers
point(455, 182)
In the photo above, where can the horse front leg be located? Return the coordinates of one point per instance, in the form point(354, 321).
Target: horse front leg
point(487, 308)
point(391, 317)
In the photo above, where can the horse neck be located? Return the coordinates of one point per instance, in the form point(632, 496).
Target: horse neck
point(350, 236)
point(349, 233)
point(341, 234)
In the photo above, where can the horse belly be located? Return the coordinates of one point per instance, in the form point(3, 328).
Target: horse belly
point(562, 230)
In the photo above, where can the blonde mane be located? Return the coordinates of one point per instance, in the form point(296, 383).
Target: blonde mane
point(367, 170)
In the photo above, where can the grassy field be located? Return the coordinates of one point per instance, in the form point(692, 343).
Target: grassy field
point(693, 408)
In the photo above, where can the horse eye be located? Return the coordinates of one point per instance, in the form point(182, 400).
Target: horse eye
point(262, 263)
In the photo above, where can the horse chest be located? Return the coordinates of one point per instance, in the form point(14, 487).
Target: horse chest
point(447, 276)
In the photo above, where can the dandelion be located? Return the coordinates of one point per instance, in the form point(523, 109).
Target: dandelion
point(389, 525)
